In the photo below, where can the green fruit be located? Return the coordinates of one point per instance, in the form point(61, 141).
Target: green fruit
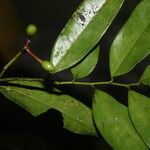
point(31, 29)
point(47, 66)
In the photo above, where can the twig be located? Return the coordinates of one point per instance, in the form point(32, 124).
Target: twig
point(12, 61)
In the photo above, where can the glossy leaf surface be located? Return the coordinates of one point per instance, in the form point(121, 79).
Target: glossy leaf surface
point(85, 28)
point(145, 79)
point(114, 124)
point(87, 65)
point(132, 44)
point(33, 97)
point(139, 109)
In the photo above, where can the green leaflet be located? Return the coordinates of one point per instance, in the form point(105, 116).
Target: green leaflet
point(132, 44)
point(87, 65)
point(145, 79)
point(31, 96)
point(139, 110)
point(114, 124)
point(85, 28)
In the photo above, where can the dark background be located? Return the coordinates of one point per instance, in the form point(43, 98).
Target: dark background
point(18, 129)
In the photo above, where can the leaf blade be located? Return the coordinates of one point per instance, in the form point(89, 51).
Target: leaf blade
point(114, 124)
point(145, 78)
point(131, 45)
point(139, 110)
point(78, 36)
point(87, 65)
point(33, 97)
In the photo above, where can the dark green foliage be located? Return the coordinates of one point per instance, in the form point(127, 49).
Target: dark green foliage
point(124, 128)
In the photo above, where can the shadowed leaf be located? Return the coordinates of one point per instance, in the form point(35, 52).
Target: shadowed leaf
point(31, 96)
point(86, 66)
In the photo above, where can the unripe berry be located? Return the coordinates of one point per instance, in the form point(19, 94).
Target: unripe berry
point(31, 30)
point(47, 66)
